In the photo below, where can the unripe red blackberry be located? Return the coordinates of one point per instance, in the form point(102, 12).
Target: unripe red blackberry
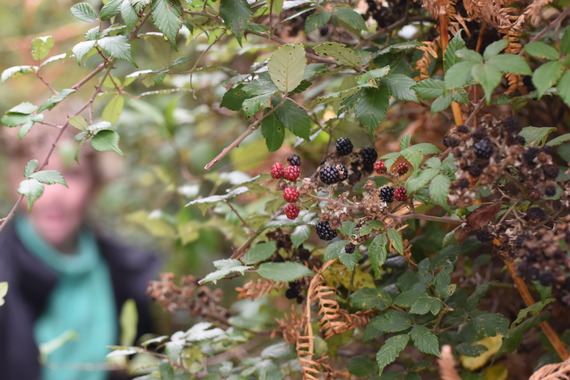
point(329, 175)
point(294, 160)
point(380, 167)
point(343, 146)
point(386, 193)
point(324, 231)
point(402, 168)
point(349, 248)
point(277, 170)
point(483, 148)
point(292, 173)
point(291, 195)
point(400, 194)
point(292, 210)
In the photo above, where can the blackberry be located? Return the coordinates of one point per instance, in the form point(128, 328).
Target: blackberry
point(463, 183)
point(520, 140)
point(291, 293)
point(329, 175)
point(475, 170)
point(450, 142)
point(483, 148)
point(278, 259)
point(294, 160)
point(292, 173)
point(479, 134)
point(277, 170)
point(380, 167)
point(300, 299)
point(512, 124)
point(303, 253)
point(402, 168)
point(324, 231)
point(349, 248)
point(342, 172)
point(546, 278)
point(291, 195)
point(550, 171)
point(343, 146)
point(369, 156)
point(292, 211)
point(400, 194)
point(483, 236)
point(530, 154)
point(550, 191)
point(549, 150)
point(535, 214)
point(386, 193)
point(462, 128)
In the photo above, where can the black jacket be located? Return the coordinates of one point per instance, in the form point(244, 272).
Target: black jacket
point(30, 282)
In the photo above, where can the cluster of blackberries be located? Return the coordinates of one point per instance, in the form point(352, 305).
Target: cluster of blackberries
point(294, 291)
point(290, 194)
point(388, 192)
point(332, 174)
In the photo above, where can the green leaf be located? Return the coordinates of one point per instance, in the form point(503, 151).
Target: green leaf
point(371, 106)
point(167, 17)
point(129, 14)
point(110, 9)
point(510, 63)
point(426, 304)
point(401, 87)
point(259, 252)
point(459, 74)
point(287, 66)
point(285, 272)
point(559, 140)
point(429, 88)
point(469, 55)
point(565, 42)
point(441, 103)
point(234, 98)
point(350, 18)
point(78, 122)
point(82, 48)
point(349, 260)
point(54, 100)
point(15, 71)
point(533, 309)
point(546, 75)
point(32, 189)
point(41, 47)
point(294, 118)
point(237, 15)
point(439, 189)
point(30, 167)
point(490, 325)
point(117, 47)
point(3, 291)
point(84, 12)
point(390, 351)
point(495, 48)
point(273, 132)
point(541, 50)
point(377, 253)
point(563, 87)
point(489, 78)
point(340, 53)
point(370, 299)
point(361, 366)
point(422, 179)
point(55, 58)
point(536, 135)
point(106, 140)
point(515, 338)
point(334, 250)
point(317, 21)
point(371, 77)
point(129, 319)
point(300, 234)
point(396, 240)
point(49, 177)
point(113, 109)
point(425, 340)
point(391, 321)
point(24, 108)
point(224, 268)
point(449, 56)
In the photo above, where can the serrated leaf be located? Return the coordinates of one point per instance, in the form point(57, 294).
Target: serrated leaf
point(546, 75)
point(391, 321)
point(422, 179)
point(349, 260)
point(84, 12)
point(495, 48)
point(234, 98)
point(425, 340)
point(129, 14)
point(510, 63)
point(372, 76)
point(536, 135)
point(317, 21)
point(533, 309)
point(300, 234)
point(167, 17)
point(441, 103)
point(559, 140)
point(426, 304)
point(563, 87)
point(117, 47)
point(41, 47)
point(390, 351)
point(401, 87)
point(224, 268)
point(24, 108)
point(336, 96)
point(469, 55)
point(377, 253)
point(82, 48)
point(429, 88)
point(488, 77)
point(30, 167)
point(32, 190)
point(350, 18)
point(449, 56)
point(516, 334)
point(340, 53)
point(49, 177)
point(251, 106)
point(439, 189)
point(396, 240)
point(284, 272)
point(370, 299)
point(56, 99)
point(565, 42)
point(237, 15)
point(287, 66)
point(55, 58)
point(334, 250)
point(541, 50)
point(110, 9)
point(3, 291)
point(259, 252)
point(106, 140)
point(113, 109)
point(371, 106)
point(459, 74)
point(208, 202)
point(16, 71)
point(294, 118)
point(273, 132)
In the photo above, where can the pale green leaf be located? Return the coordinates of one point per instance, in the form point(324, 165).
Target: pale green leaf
point(41, 47)
point(401, 87)
point(441, 103)
point(54, 100)
point(425, 340)
point(459, 74)
point(421, 179)
point(30, 167)
point(317, 21)
point(546, 75)
point(489, 78)
point(84, 12)
point(371, 77)
point(259, 252)
point(129, 14)
point(110, 9)
point(559, 140)
point(396, 240)
point(24, 108)
point(55, 58)
point(78, 122)
point(224, 268)
point(82, 48)
point(495, 48)
point(439, 189)
point(449, 56)
point(237, 15)
point(335, 249)
point(284, 272)
point(32, 190)
point(541, 50)
point(340, 53)
point(167, 18)
point(117, 47)
point(350, 18)
point(49, 177)
point(251, 106)
point(15, 71)
point(563, 87)
point(510, 63)
point(536, 135)
point(128, 320)
point(300, 234)
point(106, 140)
point(113, 109)
point(287, 66)
point(390, 351)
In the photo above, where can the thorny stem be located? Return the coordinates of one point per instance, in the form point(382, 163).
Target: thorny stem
point(46, 83)
point(442, 219)
point(245, 224)
point(443, 25)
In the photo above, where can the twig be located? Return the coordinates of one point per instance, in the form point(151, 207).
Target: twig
point(475, 110)
point(549, 26)
point(46, 83)
point(442, 219)
point(245, 224)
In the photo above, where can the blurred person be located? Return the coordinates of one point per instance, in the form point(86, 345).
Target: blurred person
point(63, 275)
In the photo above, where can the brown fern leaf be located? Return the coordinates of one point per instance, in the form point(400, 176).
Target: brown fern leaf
point(305, 351)
point(558, 371)
point(330, 318)
point(258, 288)
point(430, 52)
point(290, 327)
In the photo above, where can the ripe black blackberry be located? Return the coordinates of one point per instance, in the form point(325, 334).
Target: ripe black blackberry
point(343, 146)
point(535, 214)
point(386, 193)
point(475, 170)
point(294, 160)
point(512, 125)
point(303, 253)
point(483, 236)
point(462, 128)
point(550, 171)
point(550, 191)
point(463, 183)
point(329, 175)
point(483, 148)
point(349, 248)
point(292, 293)
point(324, 231)
point(479, 134)
point(530, 154)
point(450, 142)
point(369, 156)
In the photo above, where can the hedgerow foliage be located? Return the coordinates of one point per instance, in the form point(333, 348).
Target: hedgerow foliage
point(385, 248)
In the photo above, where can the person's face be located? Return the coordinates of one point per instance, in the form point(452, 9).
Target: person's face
point(58, 214)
